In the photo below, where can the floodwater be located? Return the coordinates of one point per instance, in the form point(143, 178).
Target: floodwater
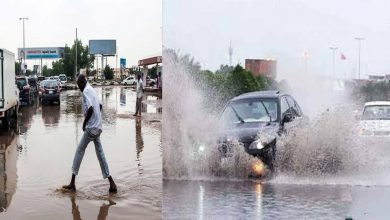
point(36, 160)
point(257, 200)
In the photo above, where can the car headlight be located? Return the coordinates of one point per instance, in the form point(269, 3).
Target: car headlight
point(256, 145)
point(201, 149)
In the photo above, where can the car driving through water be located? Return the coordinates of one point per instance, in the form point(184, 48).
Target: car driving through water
point(257, 120)
point(375, 119)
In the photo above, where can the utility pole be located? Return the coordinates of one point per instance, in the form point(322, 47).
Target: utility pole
point(24, 46)
point(333, 52)
point(359, 39)
point(230, 53)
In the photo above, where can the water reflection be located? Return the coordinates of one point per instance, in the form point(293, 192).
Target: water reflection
point(139, 142)
point(51, 115)
point(103, 211)
point(8, 170)
point(254, 200)
point(25, 118)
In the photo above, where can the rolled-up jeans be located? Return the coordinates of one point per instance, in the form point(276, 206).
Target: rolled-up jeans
point(90, 134)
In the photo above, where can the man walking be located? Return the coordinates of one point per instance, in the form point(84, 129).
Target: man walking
point(140, 93)
point(92, 128)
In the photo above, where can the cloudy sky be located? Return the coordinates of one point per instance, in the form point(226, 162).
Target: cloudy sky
point(136, 25)
point(283, 30)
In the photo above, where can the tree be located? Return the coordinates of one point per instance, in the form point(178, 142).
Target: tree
point(84, 59)
point(18, 68)
point(46, 71)
point(108, 73)
point(152, 72)
point(58, 67)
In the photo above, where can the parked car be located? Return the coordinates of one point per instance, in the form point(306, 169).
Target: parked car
point(375, 119)
point(257, 120)
point(26, 95)
point(150, 82)
point(63, 78)
point(51, 91)
point(130, 80)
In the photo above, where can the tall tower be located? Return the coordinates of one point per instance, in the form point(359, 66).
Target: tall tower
point(230, 53)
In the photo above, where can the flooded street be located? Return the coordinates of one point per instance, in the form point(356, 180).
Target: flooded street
point(36, 161)
point(256, 200)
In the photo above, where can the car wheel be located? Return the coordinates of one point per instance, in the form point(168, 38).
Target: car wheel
point(125, 83)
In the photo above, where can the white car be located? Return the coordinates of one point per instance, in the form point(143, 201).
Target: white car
point(375, 119)
point(62, 78)
point(130, 80)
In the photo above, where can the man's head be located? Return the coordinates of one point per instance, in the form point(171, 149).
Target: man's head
point(138, 76)
point(81, 82)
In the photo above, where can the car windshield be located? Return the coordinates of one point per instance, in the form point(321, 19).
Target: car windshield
point(250, 110)
point(376, 112)
point(63, 78)
point(50, 84)
point(21, 82)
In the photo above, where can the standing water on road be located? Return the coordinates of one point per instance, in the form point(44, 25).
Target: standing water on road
point(324, 169)
point(36, 161)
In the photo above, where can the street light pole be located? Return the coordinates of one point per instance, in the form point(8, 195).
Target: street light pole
point(24, 43)
point(333, 52)
point(359, 39)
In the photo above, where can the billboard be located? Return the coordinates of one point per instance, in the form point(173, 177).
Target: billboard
point(123, 63)
point(42, 53)
point(105, 47)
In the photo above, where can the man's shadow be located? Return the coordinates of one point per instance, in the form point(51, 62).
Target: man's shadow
point(103, 212)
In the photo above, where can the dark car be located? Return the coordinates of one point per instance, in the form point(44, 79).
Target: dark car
point(257, 120)
point(26, 94)
point(51, 91)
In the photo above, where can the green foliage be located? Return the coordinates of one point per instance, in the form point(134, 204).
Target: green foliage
point(84, 60)
point(373, 91)
point(46, 71)
point(18, 68)
point(152, 72)
point(225, 83)
point(57, 67)
point(108, 73)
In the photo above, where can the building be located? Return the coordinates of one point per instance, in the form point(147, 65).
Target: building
point(261, 67)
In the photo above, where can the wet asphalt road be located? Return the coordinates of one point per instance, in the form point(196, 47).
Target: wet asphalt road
point(36, 161)
point(256, 200)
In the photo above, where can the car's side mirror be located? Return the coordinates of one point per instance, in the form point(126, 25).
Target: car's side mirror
point(287, 118)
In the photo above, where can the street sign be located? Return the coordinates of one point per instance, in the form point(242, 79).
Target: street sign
point(123, 63)
point(42, 53)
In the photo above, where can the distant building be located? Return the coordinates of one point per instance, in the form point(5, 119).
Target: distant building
point(261, 67)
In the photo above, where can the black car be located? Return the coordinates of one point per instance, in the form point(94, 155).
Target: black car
point(50, 90)
point(26, 94)
point(257, 120)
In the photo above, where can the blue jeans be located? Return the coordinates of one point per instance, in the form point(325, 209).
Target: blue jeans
point(78, 157)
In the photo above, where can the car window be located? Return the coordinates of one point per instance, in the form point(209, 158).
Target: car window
point(293, 106)
point(283, 105)
point(251, 110)
point(376, 112)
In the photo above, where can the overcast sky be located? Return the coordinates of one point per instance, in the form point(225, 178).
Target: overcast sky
point(136, 25)
point(283, 30)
